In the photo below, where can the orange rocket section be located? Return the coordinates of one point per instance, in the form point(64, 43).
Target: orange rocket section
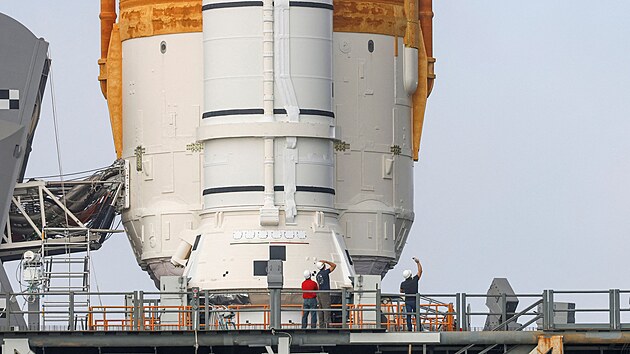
point(411, 19)
point(138, 18)
point(143, 18)
point(426, 63)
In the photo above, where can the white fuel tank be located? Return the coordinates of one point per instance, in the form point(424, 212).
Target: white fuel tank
point(268, 131)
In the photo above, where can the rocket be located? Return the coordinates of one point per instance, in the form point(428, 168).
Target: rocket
point(266, 129)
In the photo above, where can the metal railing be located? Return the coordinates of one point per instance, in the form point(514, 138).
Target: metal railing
point(249, 310)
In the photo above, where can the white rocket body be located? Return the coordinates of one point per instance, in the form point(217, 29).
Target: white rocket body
point(237, 140)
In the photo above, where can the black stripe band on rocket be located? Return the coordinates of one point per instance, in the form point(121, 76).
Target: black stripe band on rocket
point(233, 189)
point(233, 4)
point(248, 111)
point(226, 5)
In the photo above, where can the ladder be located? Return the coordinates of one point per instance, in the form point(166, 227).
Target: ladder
point(66, 278)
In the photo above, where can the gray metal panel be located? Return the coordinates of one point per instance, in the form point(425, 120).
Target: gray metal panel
point(23, 72)
point(500, 290)
point(16, 319)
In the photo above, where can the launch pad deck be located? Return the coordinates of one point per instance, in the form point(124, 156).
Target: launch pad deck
point(317, 341)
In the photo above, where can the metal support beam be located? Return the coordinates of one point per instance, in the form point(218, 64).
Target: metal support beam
point(28, 218)
point(257, 339)
point(33, 313)
point(275, 318)
point(63, 207)
point(283, 345)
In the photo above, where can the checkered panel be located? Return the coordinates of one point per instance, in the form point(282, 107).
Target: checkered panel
point(9, 99)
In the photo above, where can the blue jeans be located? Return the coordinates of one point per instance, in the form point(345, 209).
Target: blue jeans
point(309, 304)
point(410, 308)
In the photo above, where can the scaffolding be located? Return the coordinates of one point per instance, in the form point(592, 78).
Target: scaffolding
point(52, 227)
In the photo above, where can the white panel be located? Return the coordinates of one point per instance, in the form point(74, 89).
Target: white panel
point(233, 162)
point(233, 58)
point(311, 64)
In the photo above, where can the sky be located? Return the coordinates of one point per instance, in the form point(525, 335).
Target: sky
point(524, 164)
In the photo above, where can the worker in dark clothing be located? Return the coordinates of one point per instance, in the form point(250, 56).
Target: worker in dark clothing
point(409, 287)
point(323, 281)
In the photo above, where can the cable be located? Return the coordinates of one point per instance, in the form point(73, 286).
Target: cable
point(115, 228)
point(18, 274)
point(57, 145)
point(69, 174)
point(98, 290)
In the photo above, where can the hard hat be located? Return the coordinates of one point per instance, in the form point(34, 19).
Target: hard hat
point(29, 256)
point(319, 265)
point(406, 274)
point(307, 274)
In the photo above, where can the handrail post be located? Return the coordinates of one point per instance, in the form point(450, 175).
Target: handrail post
point(344, 308)
point(71, 311)
point(134, 311)
point(8, 310)
point(140, 304)
point(614, 308)
point(194, 308)
point(544, 310)
point(464, 317)
point(458, 310)
point(378, 307)
point(417, 313)
point(548, 311)
point(206, 309)
point(552, 311)
point(504, 311)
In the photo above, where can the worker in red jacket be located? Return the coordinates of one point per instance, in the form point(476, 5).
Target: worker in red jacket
point(310, 300)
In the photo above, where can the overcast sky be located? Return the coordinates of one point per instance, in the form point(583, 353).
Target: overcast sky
point(524, 166)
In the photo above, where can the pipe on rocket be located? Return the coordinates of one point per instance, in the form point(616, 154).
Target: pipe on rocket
point(269, 213)
point(410, 52)
point(421, 94)
point(426, 24)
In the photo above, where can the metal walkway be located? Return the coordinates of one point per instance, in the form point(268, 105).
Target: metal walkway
point(131, 323)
